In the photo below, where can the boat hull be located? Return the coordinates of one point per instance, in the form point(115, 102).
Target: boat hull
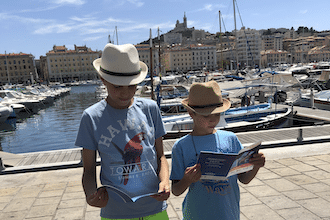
point(251, 122)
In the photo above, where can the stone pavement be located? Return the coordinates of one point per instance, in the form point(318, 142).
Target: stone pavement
point(294, 184)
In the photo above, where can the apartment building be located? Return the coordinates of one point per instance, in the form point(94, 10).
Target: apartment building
point(248, 47)
point(178, 59)
point(203, 56)
point(291, 34)
point(63, 65)
point(226, 58)
point(17, 68)
point(321, 53)
point(272, 42)
point(144, 56)
point(273, 58)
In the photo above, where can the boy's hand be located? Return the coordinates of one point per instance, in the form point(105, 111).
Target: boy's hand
point(258, 160)
point(192, 174)
point(99, 198)
point(164, 191)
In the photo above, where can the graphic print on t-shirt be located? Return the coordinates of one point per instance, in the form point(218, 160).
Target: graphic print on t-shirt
point(131, 155)
point(220, 187)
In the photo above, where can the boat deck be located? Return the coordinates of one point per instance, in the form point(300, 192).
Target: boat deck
point(270, 138)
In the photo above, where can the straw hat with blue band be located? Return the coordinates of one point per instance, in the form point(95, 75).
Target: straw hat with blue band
point(120, 65)
point(205, 99)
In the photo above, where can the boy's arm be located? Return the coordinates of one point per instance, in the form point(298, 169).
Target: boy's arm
point(163, 175)
point(191, 175)
point(258, 160)
point(94, 197)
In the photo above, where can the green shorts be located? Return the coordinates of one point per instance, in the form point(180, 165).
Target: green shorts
point(159, 216)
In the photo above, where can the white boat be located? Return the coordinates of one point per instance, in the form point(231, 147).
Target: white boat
point(40, 92)
point(14, 97)
point(5, 112)
point(236, 120)
point(15, 106)
point(59, 89)
point(320, 100)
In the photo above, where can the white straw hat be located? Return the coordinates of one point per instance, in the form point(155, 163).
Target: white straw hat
point(120, 65)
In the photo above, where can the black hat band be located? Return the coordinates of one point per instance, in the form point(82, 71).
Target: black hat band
point(206, 106)
point(120, 74)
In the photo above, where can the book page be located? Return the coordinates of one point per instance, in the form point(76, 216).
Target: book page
point(126, 198)
point(219, 166)
point(241, 164)
point(215, 166)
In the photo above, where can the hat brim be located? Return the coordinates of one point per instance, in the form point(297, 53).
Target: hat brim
point(122, 80)
point(208, 110)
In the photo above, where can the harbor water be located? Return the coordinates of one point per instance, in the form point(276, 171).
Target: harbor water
point(53, 127)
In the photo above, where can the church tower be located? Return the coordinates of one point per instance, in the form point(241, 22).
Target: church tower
point(185, 21)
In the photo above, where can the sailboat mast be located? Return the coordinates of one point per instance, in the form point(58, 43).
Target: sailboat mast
point(159, 60)
point(151, 68)
point(117, 36)
point(221, 61)
point(236, 46)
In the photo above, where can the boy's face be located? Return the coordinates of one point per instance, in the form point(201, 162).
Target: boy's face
point(205, 124)
point(119, 97)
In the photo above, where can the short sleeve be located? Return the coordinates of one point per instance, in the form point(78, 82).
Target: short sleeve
point(85, 137)
point(178, 168)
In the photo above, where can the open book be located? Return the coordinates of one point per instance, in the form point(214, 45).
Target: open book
point(126, 198)
point(220, 166)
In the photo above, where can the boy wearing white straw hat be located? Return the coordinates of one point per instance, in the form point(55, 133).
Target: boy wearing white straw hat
point(207, 199)
point(126, 131)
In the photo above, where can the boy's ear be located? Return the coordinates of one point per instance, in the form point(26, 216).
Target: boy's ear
point(103, 80)
point(191, 113)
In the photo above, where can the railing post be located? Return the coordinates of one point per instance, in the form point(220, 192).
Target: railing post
point(300, 135)
point(2, 167)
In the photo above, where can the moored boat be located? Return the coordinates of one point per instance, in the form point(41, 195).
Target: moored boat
point(237, 120)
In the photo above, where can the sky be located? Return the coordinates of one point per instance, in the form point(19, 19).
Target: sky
point(35, 26)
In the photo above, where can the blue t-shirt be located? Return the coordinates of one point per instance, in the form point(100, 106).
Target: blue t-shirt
point(124, 139)
point(207, 199)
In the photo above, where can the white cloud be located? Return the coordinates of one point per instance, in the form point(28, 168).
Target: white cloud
point(53, 28)
point(136, 2)
point(303, 11)
point(96, 31)
point(210, 7)
point(207, 8)
point(68, 2)
point(93, 38)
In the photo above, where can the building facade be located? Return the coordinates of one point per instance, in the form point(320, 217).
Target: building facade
point(273, 58)
point(187, 58)
point(272, 42)
point(63, 65)
point(144, 56)
point(321, 53)
point(248, 46)
point(203, 56)
point(178, 59)
point(17, 68)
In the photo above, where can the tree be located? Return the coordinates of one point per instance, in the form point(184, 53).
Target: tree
point(268, 32)
point(302, 29)
point(312, 30)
